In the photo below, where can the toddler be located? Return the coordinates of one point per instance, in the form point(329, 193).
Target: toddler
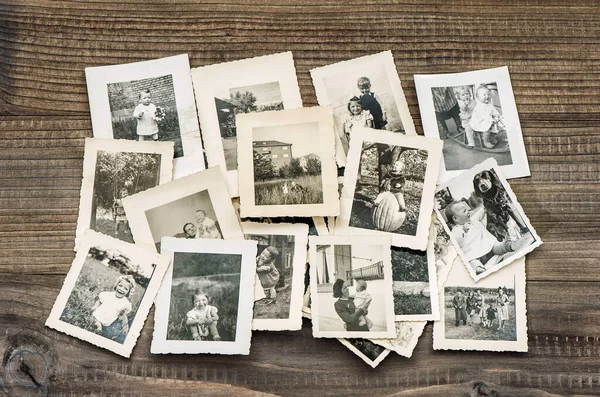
point(390, 201)
point(485, 118)
point(202, 319)
point(145, 113)
point(357, 117)
point(466, 106)
point(491, 316)
point(372, 103)
point(111, 308)
point(267, 272)
point(477, 244)
point(362, 300)
point(206, 227)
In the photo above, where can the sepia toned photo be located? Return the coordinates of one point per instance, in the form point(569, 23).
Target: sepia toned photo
point(476, 117)
point(287, 165)
point(387, 181)
point(351, 287)
point(108, 292)
point(205, 302)
point(444, 252)
point(366, 93)
point(148, 101)
point(227, 89)
point(485, 222)
point(407, 336)
point(487, 315)
point(368, 351)
point(113, 170)
point(279, 278)
point(193, 207)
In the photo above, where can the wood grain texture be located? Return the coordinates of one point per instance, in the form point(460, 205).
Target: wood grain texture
point(552, 49)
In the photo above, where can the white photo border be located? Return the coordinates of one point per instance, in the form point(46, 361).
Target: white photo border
point(241, 345)
point(89, 239)
point(90, 158)
point(246, 123)
point(300, 233)
point(208, 79)
point(487, 165)
point(372, 363)
point(458, 278)
point(179, 67)
point(381, 241)
point(417, 328)
point(423, 84)
point(210, 179)
point(384, 58)
point(434, 152)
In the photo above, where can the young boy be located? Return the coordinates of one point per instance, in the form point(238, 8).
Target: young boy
point(476, 242)
point(145, 113)
point(371, 102)
point(119, 213)
point(362, 299)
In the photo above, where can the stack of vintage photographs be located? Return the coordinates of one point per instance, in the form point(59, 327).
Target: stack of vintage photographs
point(340, 213)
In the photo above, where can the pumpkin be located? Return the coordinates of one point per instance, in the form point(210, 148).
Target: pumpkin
point(387, 215)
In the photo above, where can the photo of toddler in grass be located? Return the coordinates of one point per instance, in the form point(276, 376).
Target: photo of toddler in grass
point(111, 309)
point(202, 319)
point(147, 115)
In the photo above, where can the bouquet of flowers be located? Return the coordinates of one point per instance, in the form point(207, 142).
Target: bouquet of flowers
point(159, 114)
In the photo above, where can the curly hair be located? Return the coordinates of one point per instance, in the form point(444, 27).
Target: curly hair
point(128, 279)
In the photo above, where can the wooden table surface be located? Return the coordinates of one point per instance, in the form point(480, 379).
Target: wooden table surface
point(553, 52)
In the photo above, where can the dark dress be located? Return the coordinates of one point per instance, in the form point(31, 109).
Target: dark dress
point(350, 314)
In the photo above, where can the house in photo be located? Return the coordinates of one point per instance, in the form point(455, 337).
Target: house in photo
point(280, 153)
point(226, 111)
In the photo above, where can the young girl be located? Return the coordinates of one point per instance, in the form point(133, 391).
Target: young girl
point(466, 105)
point(111, 308)
point(267, 272)
point(357, 117)
point(390, 204)
point(145, 113)
point(502, 219)
point(502, 302)
point(202, 319)
point(485, 118)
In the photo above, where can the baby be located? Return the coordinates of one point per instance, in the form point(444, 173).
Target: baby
point(111, 306)
point(485, 118)
point(145, 113)
point(357, 117)
point(206, 227)
point(466, 106)
point(267, 272)
point(202, 319)
point(372, 103)
point(476, 242)
point(362, 299)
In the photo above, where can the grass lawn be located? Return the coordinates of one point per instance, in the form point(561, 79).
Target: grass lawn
point(477, 331)
point(411, 304)
point(281, 308)
point(230, 151)
point(271, 192)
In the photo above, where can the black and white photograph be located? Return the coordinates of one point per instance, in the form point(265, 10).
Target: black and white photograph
point(414, 285)
point(227, 89)
point(485, 222)
point(368, 351)
point(351, 287)
point(387, 182)
point(407, 336)
point(205, 301)
point(108, 292)
point(364, 92)
point(487, 315)
point(279, 278)
point(148, 101)
point(287, 165)
point(474, 113)
point(197, 206)
point(444, 252)
point(113, 170)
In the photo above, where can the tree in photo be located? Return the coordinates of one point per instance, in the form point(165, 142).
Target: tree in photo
point(245, 101)
point(292, 170)
point(264, 168)
point(313, 166)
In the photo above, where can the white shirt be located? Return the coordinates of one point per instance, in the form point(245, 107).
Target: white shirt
point(111, 308)
point(207, 229)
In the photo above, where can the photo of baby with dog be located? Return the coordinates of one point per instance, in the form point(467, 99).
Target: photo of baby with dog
point(204, 297)
point(480, 313)
point(483, 220)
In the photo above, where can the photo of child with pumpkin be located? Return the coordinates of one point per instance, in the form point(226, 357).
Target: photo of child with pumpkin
point(389, 188)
